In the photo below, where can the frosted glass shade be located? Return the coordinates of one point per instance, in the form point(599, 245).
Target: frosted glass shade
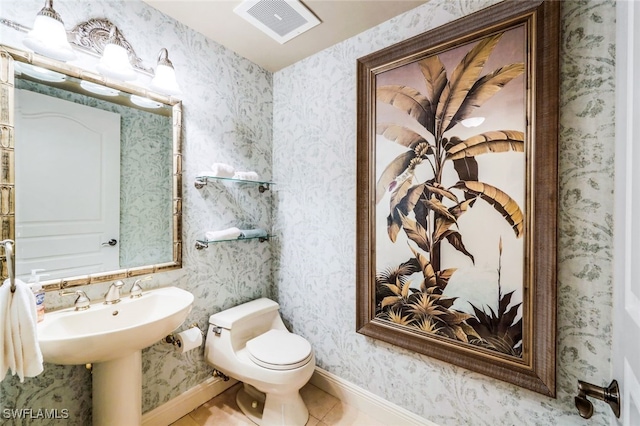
point(49, 38)
point(164, 80)
point(115, 63)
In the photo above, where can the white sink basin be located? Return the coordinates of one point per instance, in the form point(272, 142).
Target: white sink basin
point(106, 332)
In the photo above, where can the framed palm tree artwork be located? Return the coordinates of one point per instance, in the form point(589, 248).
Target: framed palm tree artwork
point(457, 193)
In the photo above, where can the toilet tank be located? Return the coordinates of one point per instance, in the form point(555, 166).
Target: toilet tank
point(248, 320)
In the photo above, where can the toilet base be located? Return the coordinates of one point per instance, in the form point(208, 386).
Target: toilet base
point(272, 409)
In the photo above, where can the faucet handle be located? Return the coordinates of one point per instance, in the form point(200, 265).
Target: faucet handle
point(136, 289)
point(82, 301)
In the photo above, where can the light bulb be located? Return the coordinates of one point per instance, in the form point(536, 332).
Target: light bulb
point(164, 80)
point(115, 59)
point(48, 36)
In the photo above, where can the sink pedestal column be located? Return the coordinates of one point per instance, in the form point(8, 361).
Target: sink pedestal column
point(117, 391)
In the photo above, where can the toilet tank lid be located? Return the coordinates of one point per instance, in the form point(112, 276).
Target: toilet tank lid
point(228, 317)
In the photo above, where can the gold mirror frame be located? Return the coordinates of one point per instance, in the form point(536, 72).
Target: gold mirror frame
point(7, 166)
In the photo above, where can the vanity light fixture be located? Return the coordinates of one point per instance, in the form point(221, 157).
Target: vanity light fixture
point(117, 58)
point(48, 36)
point(115, 62)
point(164, 80)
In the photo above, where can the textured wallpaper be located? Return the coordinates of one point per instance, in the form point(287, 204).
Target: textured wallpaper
point(146, 223)
point(232, 110)
point(227, 113)
point(314, 147)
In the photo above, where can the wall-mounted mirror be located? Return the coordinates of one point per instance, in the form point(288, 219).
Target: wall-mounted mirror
point(90, 173)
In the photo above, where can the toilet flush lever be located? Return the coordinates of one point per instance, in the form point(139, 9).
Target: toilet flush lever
point(610, 395)
point(216, 330)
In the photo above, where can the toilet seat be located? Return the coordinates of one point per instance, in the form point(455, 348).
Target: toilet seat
point(279, 350)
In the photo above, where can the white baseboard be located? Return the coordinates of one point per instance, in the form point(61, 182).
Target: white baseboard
point(380, 409)
point(186, 402)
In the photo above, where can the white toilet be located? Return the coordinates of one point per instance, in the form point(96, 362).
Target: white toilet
point(250, 343)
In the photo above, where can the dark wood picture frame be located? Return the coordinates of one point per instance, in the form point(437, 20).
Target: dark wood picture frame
point(532, 363)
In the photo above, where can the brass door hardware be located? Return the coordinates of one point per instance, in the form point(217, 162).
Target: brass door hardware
point(610, 395)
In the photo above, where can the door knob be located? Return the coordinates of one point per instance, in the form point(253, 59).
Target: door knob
point(111, 242)
point(610, 395)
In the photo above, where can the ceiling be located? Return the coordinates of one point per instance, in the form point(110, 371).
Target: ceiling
point(340, 20)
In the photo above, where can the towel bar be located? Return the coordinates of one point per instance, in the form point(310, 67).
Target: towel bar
point(8, 251)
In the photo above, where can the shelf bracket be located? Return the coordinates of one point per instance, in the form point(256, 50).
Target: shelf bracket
point(201, 181)
point(201, 246)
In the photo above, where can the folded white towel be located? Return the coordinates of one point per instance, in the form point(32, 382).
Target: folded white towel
point(21, 350)
point(246, 175)
point(222, 170)
point(225, 234)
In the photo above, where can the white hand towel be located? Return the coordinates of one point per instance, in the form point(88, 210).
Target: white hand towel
point(25, 357)
point(225, 234)
point(6, 347)
point(222, 170)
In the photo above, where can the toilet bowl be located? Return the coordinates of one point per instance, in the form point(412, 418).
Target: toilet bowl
point(249, 342)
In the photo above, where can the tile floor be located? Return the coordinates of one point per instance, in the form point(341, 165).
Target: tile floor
point(324, 410)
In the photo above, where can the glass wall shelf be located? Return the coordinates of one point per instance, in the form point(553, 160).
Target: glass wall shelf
point(203, 244)
point(203, 180)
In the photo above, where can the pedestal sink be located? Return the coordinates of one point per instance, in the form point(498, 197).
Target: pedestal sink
point(112, 337)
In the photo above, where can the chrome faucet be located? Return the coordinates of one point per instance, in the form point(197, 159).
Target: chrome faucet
point(113, 294)
point(82, 301)
point(136, 289)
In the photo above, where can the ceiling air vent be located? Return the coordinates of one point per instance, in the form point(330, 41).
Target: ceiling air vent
point(281, 20)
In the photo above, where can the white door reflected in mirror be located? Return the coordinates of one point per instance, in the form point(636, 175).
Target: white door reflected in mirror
point(61, 144)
